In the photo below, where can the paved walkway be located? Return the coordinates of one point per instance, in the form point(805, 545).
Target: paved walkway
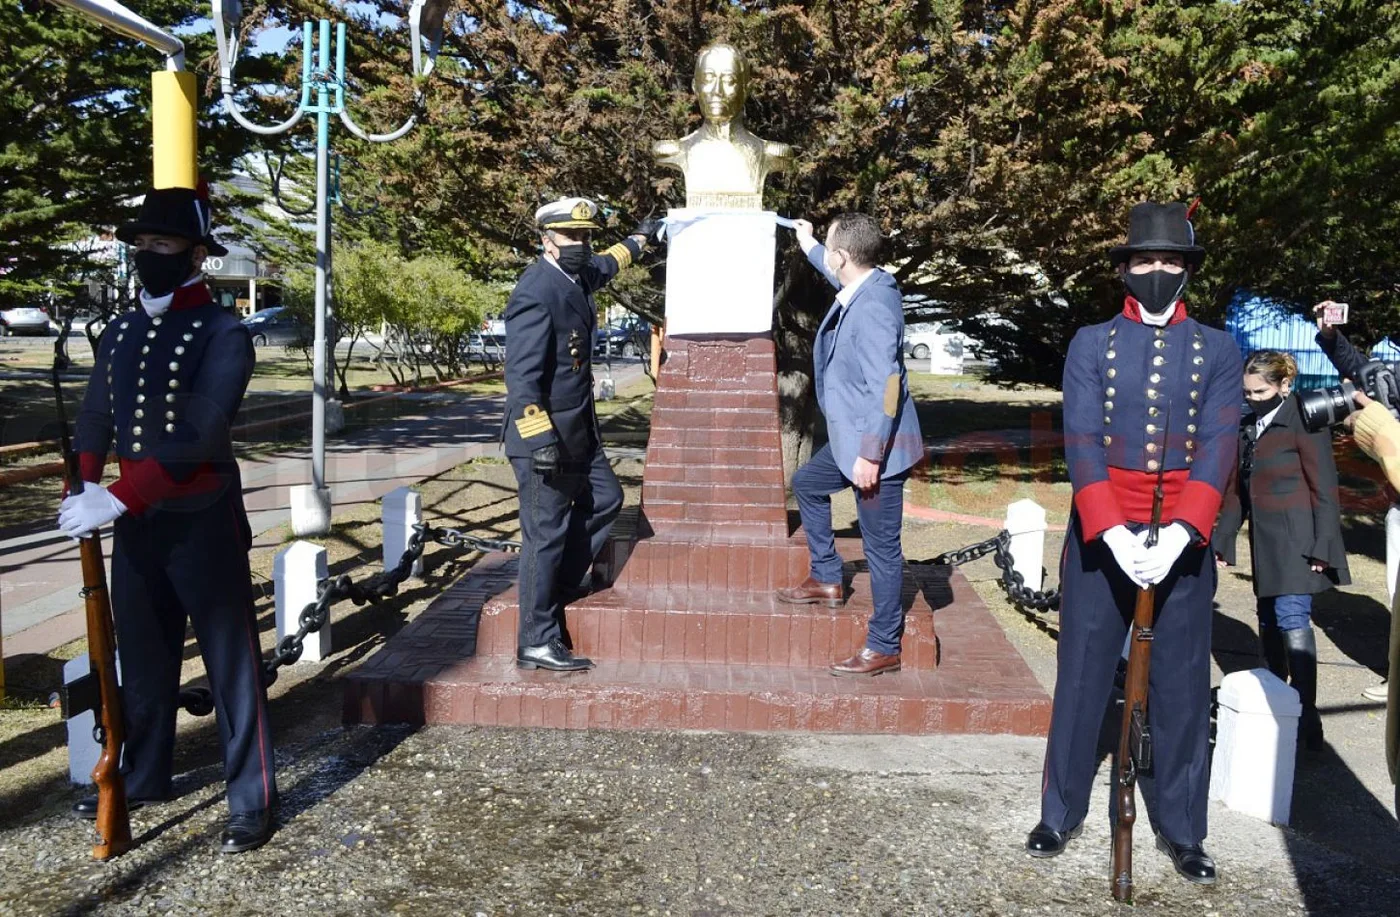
point(40, 572)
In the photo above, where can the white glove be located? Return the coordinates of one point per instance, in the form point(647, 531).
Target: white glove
point(85, 513)
point(1127, 551)
point(1157, 561)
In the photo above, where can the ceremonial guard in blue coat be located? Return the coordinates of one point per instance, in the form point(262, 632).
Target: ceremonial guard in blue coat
point(569, 496)
point(167, 382)
point(1149, 394)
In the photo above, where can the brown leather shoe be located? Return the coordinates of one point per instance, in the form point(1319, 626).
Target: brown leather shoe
point(867, 662)
point(811, 592)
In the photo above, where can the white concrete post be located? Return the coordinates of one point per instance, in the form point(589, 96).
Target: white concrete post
point(296, 573)
point(1256, 739)
point(1025, 520)
point(83, 752)
point(402, 510)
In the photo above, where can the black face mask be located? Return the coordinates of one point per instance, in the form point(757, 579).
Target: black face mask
point(572, 258)
point(1156, 291)
point(1265, 405)
point(161, 273)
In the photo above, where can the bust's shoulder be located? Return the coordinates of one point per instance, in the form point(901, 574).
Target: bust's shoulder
point(777, 150)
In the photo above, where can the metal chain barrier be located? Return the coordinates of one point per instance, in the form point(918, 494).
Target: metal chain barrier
point(1011, 580)
point(373, 590)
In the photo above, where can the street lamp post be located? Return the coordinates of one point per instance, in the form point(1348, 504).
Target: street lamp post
point(323, 95)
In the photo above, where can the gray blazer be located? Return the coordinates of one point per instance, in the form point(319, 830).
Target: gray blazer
point(862, 387)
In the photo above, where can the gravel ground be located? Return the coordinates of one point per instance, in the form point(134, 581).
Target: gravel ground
point(489, 821)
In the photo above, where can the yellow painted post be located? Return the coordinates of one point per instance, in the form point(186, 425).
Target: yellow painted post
point(173, 129)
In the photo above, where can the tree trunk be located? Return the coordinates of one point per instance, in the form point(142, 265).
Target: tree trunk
point(802, 299)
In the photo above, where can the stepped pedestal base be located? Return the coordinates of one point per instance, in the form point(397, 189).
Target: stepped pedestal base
point(705, 659)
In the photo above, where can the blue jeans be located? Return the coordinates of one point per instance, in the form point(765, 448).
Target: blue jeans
point(881, 514)
point(1286, 612)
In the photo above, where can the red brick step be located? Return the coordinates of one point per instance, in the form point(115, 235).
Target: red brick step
point(491, 691)
point(718, 626)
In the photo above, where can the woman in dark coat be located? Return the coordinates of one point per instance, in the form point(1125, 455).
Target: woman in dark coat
point(1287, 489)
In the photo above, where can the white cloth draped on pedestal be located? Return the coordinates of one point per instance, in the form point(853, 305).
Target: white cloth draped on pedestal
point(719, 271)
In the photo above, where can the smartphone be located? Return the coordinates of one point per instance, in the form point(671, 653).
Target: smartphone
point(1335, 313)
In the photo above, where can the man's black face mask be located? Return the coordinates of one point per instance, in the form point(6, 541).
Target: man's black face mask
point(161, 273)
point(1156, 291)
point(572, 258)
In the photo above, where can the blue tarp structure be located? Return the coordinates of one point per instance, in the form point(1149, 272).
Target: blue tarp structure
point(1264, 324)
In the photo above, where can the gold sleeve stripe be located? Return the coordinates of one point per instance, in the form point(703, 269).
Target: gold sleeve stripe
point(892, 395)
point(533, 422)
point(621, 254)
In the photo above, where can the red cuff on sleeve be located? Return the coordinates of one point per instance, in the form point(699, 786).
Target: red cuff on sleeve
point(1098, 509)
point(1199, 504)
point(138, 486)
point(90, 465)
point(146, 482)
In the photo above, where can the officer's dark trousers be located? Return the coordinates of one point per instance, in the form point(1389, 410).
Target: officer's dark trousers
point(564, 523)
point(168, 566)
point(881, 516)
point(1096, 607)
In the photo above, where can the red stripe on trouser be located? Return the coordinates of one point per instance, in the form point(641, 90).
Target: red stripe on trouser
point(258, 701)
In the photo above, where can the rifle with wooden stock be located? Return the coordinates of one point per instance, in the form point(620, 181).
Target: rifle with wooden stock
point(1135, 739)
point(113, 821)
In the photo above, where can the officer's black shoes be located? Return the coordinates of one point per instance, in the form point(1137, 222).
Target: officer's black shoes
point(246, 830)
point(87, 806)
point(1045, 841)
point(1190, 860)
point(554, 656)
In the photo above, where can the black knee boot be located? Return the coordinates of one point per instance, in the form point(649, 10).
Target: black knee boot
point(1275, 652)
point(1302, 666)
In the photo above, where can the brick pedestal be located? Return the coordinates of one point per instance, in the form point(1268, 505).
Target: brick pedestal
point(714, 504)
point(690, 634)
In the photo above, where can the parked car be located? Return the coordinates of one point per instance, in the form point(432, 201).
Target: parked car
point(486, 348)
point(630, 337)
point(924, 340)
point(276, 325)
point(25, 320)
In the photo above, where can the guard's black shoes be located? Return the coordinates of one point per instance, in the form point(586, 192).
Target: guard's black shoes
point(1191, 860)
point(553, 655)
point(1045, 841)
point(246, 830)
point(87, 806)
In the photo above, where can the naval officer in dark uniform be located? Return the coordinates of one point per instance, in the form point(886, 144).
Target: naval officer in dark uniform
point(1149, 392)
point(569, 496)
point(168, 379)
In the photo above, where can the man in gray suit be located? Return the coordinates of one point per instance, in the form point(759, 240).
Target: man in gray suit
point(872, 431)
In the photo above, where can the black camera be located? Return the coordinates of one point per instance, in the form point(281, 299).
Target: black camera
point(1327, 407)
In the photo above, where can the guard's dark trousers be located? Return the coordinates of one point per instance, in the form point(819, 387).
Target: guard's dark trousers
point(1096, 607)
point(166, 567)
point(564, 522)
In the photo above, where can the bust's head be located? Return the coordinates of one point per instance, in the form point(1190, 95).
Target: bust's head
point(721, 83)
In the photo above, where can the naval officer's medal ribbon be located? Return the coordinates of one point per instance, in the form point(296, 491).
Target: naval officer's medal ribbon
point(576, 348)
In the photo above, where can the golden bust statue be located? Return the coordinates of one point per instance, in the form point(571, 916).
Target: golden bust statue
point(724, 165)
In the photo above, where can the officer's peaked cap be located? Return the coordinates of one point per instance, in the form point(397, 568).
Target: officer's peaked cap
point(1159, 228)
point(568, 213)
point(181, 212)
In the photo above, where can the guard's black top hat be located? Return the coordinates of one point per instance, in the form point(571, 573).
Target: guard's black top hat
point(182, 212)
point(1159, 228)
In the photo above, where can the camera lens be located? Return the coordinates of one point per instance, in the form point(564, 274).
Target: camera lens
point(1326, 407)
